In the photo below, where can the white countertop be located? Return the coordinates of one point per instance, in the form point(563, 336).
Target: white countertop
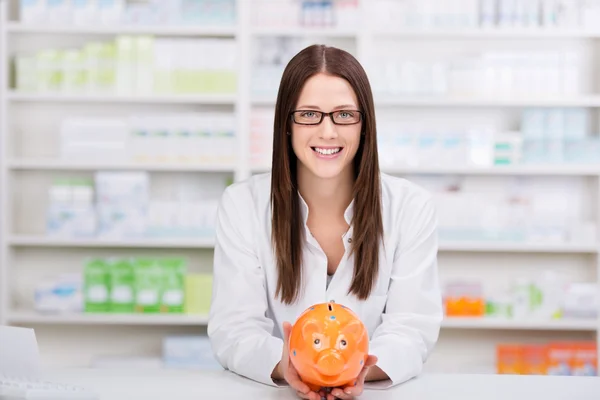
point(184, 385)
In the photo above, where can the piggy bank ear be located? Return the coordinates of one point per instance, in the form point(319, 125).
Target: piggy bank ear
point(309, 328)
point(353, 329)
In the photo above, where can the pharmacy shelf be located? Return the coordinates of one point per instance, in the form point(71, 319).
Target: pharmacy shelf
point(489, 102)
point(512, 170)
point(521, 170)
point(208, 243)
point(31, 317)
point(465, 101)
point(61, 165)
point(185, 31)
point(207, 99)
point(487, 34)
point(525, 324)
point(42, 241)
point(516, 247)
point(304, 32)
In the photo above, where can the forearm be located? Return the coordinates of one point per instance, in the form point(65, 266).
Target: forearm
point(276, 375)
point(376, 374)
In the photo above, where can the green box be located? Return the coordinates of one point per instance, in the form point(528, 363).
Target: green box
point(96, 286)
point(122, 279)
point(50, 73)
point(148, 285)
point(198, 293)
point(173, 294)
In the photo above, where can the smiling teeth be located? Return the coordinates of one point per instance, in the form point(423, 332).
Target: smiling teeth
point(327, 152)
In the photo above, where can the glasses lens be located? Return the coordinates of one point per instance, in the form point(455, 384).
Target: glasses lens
point(307, 117)
point(346, 117)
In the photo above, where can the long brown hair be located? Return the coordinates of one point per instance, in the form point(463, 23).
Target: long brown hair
point(287, 229)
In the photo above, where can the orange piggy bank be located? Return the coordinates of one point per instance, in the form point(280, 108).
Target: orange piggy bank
point(328, 346)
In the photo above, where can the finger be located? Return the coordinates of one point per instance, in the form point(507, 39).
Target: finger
point(287, 331)
point(298, 385)
point(370, 361)
point(302, 395)
point(356, 388)
point(341, 394)
point(309, 395)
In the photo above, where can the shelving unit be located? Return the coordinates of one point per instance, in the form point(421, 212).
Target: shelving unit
point(42, 241)
point(123, 99)
point(20, 251)
point(185, 31)
point(506, 324)
point(52, 165)
point(107, 319)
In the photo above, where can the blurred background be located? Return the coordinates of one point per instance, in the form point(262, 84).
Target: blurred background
point(122, 122)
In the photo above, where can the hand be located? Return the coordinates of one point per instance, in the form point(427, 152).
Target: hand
point(355, 389)
point(286, 370)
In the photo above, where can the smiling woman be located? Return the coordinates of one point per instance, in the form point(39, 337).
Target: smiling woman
point(325, 224)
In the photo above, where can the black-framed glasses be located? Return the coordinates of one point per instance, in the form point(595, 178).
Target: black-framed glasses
point(313, 117)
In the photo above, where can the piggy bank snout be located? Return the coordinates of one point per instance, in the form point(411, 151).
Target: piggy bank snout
point(330, 363)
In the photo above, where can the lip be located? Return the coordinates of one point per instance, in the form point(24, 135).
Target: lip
point(327, 156)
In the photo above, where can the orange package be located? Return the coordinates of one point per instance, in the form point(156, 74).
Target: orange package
point(585, 360)
point(535, 361)
point(509, 359)
point(465, 306)
point(560, 357)
point(464, 299)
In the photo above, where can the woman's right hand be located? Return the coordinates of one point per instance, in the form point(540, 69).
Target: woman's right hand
point(287, 371)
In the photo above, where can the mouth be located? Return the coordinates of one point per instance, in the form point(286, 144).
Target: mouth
point(327, 152)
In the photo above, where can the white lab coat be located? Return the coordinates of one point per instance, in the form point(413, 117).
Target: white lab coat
point(402, 315)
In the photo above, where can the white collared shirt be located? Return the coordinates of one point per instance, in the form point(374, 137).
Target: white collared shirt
point(402, 315)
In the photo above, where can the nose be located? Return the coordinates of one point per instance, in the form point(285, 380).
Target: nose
point(328, 130)
point(330, 364)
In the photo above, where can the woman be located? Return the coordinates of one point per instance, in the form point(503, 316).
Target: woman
point(324, 225)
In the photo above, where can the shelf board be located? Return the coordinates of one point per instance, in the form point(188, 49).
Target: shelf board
point(381, 100)
point(517, 247)
point(42, 241)
point(158, 30)
point(528, 324)
point(301, 31)
point(488, 33)
point(497, 101)
point(521, 170)
point(31, 317)
point(206, 99)
point(60, 165)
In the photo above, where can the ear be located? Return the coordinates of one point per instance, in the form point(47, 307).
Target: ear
point(354, 329)
point(309, 328)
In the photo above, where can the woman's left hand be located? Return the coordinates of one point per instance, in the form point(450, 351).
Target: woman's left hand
point(351, 391)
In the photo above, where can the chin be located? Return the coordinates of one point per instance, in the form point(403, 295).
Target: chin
point(327, 173)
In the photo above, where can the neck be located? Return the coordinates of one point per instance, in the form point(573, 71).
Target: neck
point(326, 196)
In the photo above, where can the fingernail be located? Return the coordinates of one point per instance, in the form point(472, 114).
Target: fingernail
point(348, 391)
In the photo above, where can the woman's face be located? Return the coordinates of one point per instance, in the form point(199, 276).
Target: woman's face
point(326, 150)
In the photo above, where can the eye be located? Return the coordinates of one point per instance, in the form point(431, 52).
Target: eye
point(345, 114)
point(343, 344)
point(309, 114)
point(317, 343)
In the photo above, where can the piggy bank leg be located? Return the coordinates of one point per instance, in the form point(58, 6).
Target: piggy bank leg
point(313, 387)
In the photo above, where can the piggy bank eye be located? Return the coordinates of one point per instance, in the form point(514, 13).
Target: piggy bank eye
point(317, 343)
point(343, 344)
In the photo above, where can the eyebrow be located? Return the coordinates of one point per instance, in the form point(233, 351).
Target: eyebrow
point(342, 107)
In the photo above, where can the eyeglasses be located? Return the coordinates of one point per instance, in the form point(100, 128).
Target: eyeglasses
point(312, 117)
